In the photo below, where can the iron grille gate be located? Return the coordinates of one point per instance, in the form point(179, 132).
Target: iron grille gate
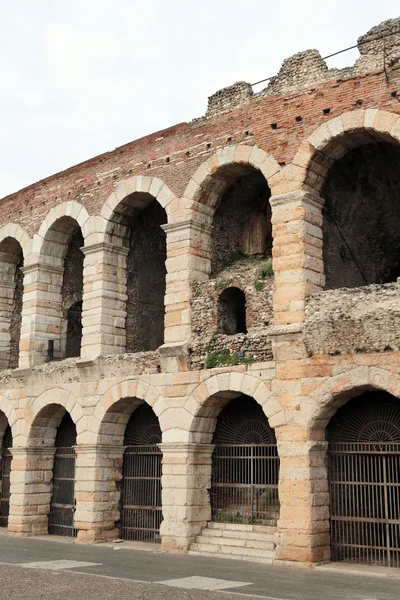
point(365, 502)
point(244, 484)
point(5, 466)
point(62, 507)
point(141, 510)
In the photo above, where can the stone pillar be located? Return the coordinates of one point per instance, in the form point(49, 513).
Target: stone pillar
point(187, 261)
point(30, 490)
point(98, 469)
point(297, 253)
point(7, 289)
point(186, 479)
point(41, 313)
point(104, 300)
point(303, 526)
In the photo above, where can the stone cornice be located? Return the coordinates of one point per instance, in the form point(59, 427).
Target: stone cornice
point(46, 452)
point(286, 329)
point(100, 449)
point(188, 448)
point(104, 247)
point(40, 266)
point(188, 225)
point(297, 196)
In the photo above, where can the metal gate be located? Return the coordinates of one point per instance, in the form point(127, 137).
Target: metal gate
point(245, 466)
point(364, 481)
point(62, 506)
point(6, 458)
point(141, 507)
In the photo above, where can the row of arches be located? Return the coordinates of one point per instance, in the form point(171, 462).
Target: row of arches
point(363, 450)
point(354, 167)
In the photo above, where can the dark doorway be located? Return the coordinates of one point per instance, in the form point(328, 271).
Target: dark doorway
point(361, 226)
point(62, 506)
point(141, 507)
point(232, 311)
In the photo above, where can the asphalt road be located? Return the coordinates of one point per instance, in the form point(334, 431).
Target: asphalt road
point(119, 573)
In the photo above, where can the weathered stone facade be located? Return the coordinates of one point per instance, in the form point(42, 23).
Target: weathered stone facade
point(307, 350)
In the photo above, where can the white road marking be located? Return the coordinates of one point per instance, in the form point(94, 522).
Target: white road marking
point(58, 565)
point(203, 583)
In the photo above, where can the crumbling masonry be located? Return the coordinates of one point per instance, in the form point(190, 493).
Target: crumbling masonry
point(248, 259)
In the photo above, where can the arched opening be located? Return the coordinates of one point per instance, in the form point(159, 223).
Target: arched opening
point(73, 287)
point(361, 233)
point(62, 505)
point(364, 480)
point(62, 253)
point(232, 312)
point(146, 280)
point(74, 330)
point(5, 471)
point(11, 294)
point(138, 220)
point(140, 502)
point(242, 220)
point(245, 466)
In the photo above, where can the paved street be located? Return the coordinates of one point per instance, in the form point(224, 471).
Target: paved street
point(51, 570)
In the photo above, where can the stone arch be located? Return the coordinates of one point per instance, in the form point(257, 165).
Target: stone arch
point(316, 412)
point(51, 242)
point(232, 227)
point(146, 189)
point(134, 217)
point(15, 246)
point(208, 399)
point(44, 415)
point(16, 232)
point(8, 416)
point(224, 168)
point(115, 407)
point(331, 141)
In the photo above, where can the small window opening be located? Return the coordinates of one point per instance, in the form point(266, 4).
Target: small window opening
point(274, 125)
point(299, 118)
point(232, 311)
point(326, 111)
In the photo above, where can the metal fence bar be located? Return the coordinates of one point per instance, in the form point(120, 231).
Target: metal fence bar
point(62, 506)
point(141, 509)
point(244, 484)
point(364, 481)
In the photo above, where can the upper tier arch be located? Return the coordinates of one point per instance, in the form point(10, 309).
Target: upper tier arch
point(209, 182)
point(16, 232)
point(331, 141)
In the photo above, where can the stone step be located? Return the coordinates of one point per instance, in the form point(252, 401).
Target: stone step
point(219, 549)
point(238, 543)
point(240, 535)
point(240, 527)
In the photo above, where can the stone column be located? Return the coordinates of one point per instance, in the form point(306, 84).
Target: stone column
point(104, 300)
point(41, 313)
point(187, 261)
point(98, 469)
point(297, 253)
point(7, 289)
point(30, 490)
point(303, 526)
point(186, 480)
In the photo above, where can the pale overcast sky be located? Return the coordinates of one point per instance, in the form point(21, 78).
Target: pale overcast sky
point(80, 77)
